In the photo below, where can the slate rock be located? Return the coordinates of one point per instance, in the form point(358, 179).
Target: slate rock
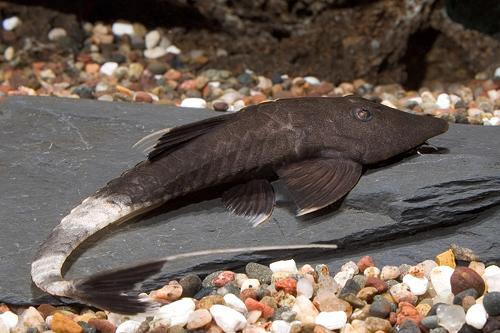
point(491, 303)
point(461, 295)
point(55, 152)
point(260, 272)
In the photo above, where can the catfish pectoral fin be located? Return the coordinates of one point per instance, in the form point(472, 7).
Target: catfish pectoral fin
point(253, 200)
point(317, 183)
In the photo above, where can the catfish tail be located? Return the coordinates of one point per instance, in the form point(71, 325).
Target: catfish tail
point(112, 290)
point(91, 216)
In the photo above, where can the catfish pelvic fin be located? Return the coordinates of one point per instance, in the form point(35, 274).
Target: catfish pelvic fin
point(317, 183)
point(253, 200)
point(173, 139)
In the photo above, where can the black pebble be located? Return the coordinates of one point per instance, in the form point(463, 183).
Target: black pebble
point(458, 299)
point(191, 284)
point(491, 303)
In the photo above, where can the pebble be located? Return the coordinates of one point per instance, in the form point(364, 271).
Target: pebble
point(11, 23)
point(440, 278)
point(464, 278)
point(476, 316)
point(250, 284)
point(443, 101)
point(10, 319)
point(108, 68)
point(312, 80)
point(380, 307)
point(152, 39)
point(305, 287)
point(128, 326)
point(193, 103)
point(284, 266)
point(374, 324)
point(235, 302)
point(56, 34)
point(64, 324)
point(418, 286)
point(280, 326)
point(389, 273)
point(331, 320)
point(102, 325)
point(401, 293)
point(9, 53)
point(229, 320)
point(491, 303)
point(177, 313)
point(492, 278)
point(30, 318)
point(173, 49)
point(155, 52)
point(198, 319)
point(3, 327)
point(451, 317)
point(305, 309)
point(120, 29)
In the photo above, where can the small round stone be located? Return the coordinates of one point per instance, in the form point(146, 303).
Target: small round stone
point(380, 307)
point(199, 318)
point(191, 284)
point(491, 303)
point(221, 106)
point(476, 316)
point(331, 320)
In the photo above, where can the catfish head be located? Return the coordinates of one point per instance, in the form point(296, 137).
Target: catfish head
point(369, 132)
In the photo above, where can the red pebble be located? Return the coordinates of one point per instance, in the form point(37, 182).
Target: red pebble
point(266, 310)
point(188, 85)
point(377, 283)
point(288, 285)
point(223, 278)
point(248, 293)
point(142, 96)
point(364, 263)
point(407, 311)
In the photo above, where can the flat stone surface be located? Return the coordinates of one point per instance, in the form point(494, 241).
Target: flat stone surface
point(55, 152)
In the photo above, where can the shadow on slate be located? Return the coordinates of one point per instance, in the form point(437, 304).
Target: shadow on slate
point(55, 152)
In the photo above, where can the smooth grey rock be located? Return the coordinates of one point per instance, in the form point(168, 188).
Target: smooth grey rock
point(55, 152)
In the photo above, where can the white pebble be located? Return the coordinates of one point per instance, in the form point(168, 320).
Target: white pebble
point(48, 321)
point(305, 287)
point(497, 73)
point(235, 302)
point(155, 53)
point(440, 279)
point(493, 94)
point(173, 49)
point(120, 29)
point(475, 112)
point(280, 326)
point(152, 39)
point(390, 273)
point(253, 316)
point(10, 319)
point(9, 53)
point(418, 286)
point(108, 68)
point(305, 309)
point(129, 326)
point(250, 284)
point(193, 102)
point(332, 320)
point(492, 278)
point(227, 319)
point(11, 23)
point(443, 101)
point(372, 272)
point(493, 121)
point(476, 316)
point(101, 86)
point(165, 42)
point(350, 267)
point(57, 33)
point(3, 327)
point(237, 105)
point(342, 277)
point(312, 80)
point(284, 266)
point(177, 313)
point(388, 103)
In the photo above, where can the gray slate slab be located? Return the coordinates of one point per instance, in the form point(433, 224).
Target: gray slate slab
point(55, 152)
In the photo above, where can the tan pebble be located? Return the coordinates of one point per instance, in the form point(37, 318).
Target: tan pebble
point(207, 301)
point(359, 326)
point(85, 317)
point(367, 293)
point(64, 324)
point(46, 310)
point(374, 324)
point(361, 314)
point(102, 325)
point(467, 302)
point(320, 329)
point(168, 293)
point(327, 301)
point(159, 329)
point(478, 267)
point(446, 258)
point(92, 69)
point(239, 278)
point(253, 329)
point(173, 74)
point(423, 309)
point(124, 90)
point(389, 273)
point(101, 315)
point(372, 272)
point(199, 318)
point(176, 329)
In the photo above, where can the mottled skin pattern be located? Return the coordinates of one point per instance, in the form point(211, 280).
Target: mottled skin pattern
point(250, 144)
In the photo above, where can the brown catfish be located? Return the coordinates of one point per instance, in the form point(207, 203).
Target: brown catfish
point(317, 146)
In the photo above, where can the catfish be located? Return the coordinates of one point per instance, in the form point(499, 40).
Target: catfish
point(316, 145)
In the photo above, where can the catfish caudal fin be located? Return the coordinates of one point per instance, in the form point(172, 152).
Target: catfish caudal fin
point(113, 290)
point(92, 215)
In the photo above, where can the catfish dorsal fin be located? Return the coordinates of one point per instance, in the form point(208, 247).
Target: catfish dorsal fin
point(174, 138)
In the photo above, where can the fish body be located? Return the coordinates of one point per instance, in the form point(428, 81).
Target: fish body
point(317, 146)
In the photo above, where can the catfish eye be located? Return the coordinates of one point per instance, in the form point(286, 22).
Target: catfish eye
point(363, 114)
